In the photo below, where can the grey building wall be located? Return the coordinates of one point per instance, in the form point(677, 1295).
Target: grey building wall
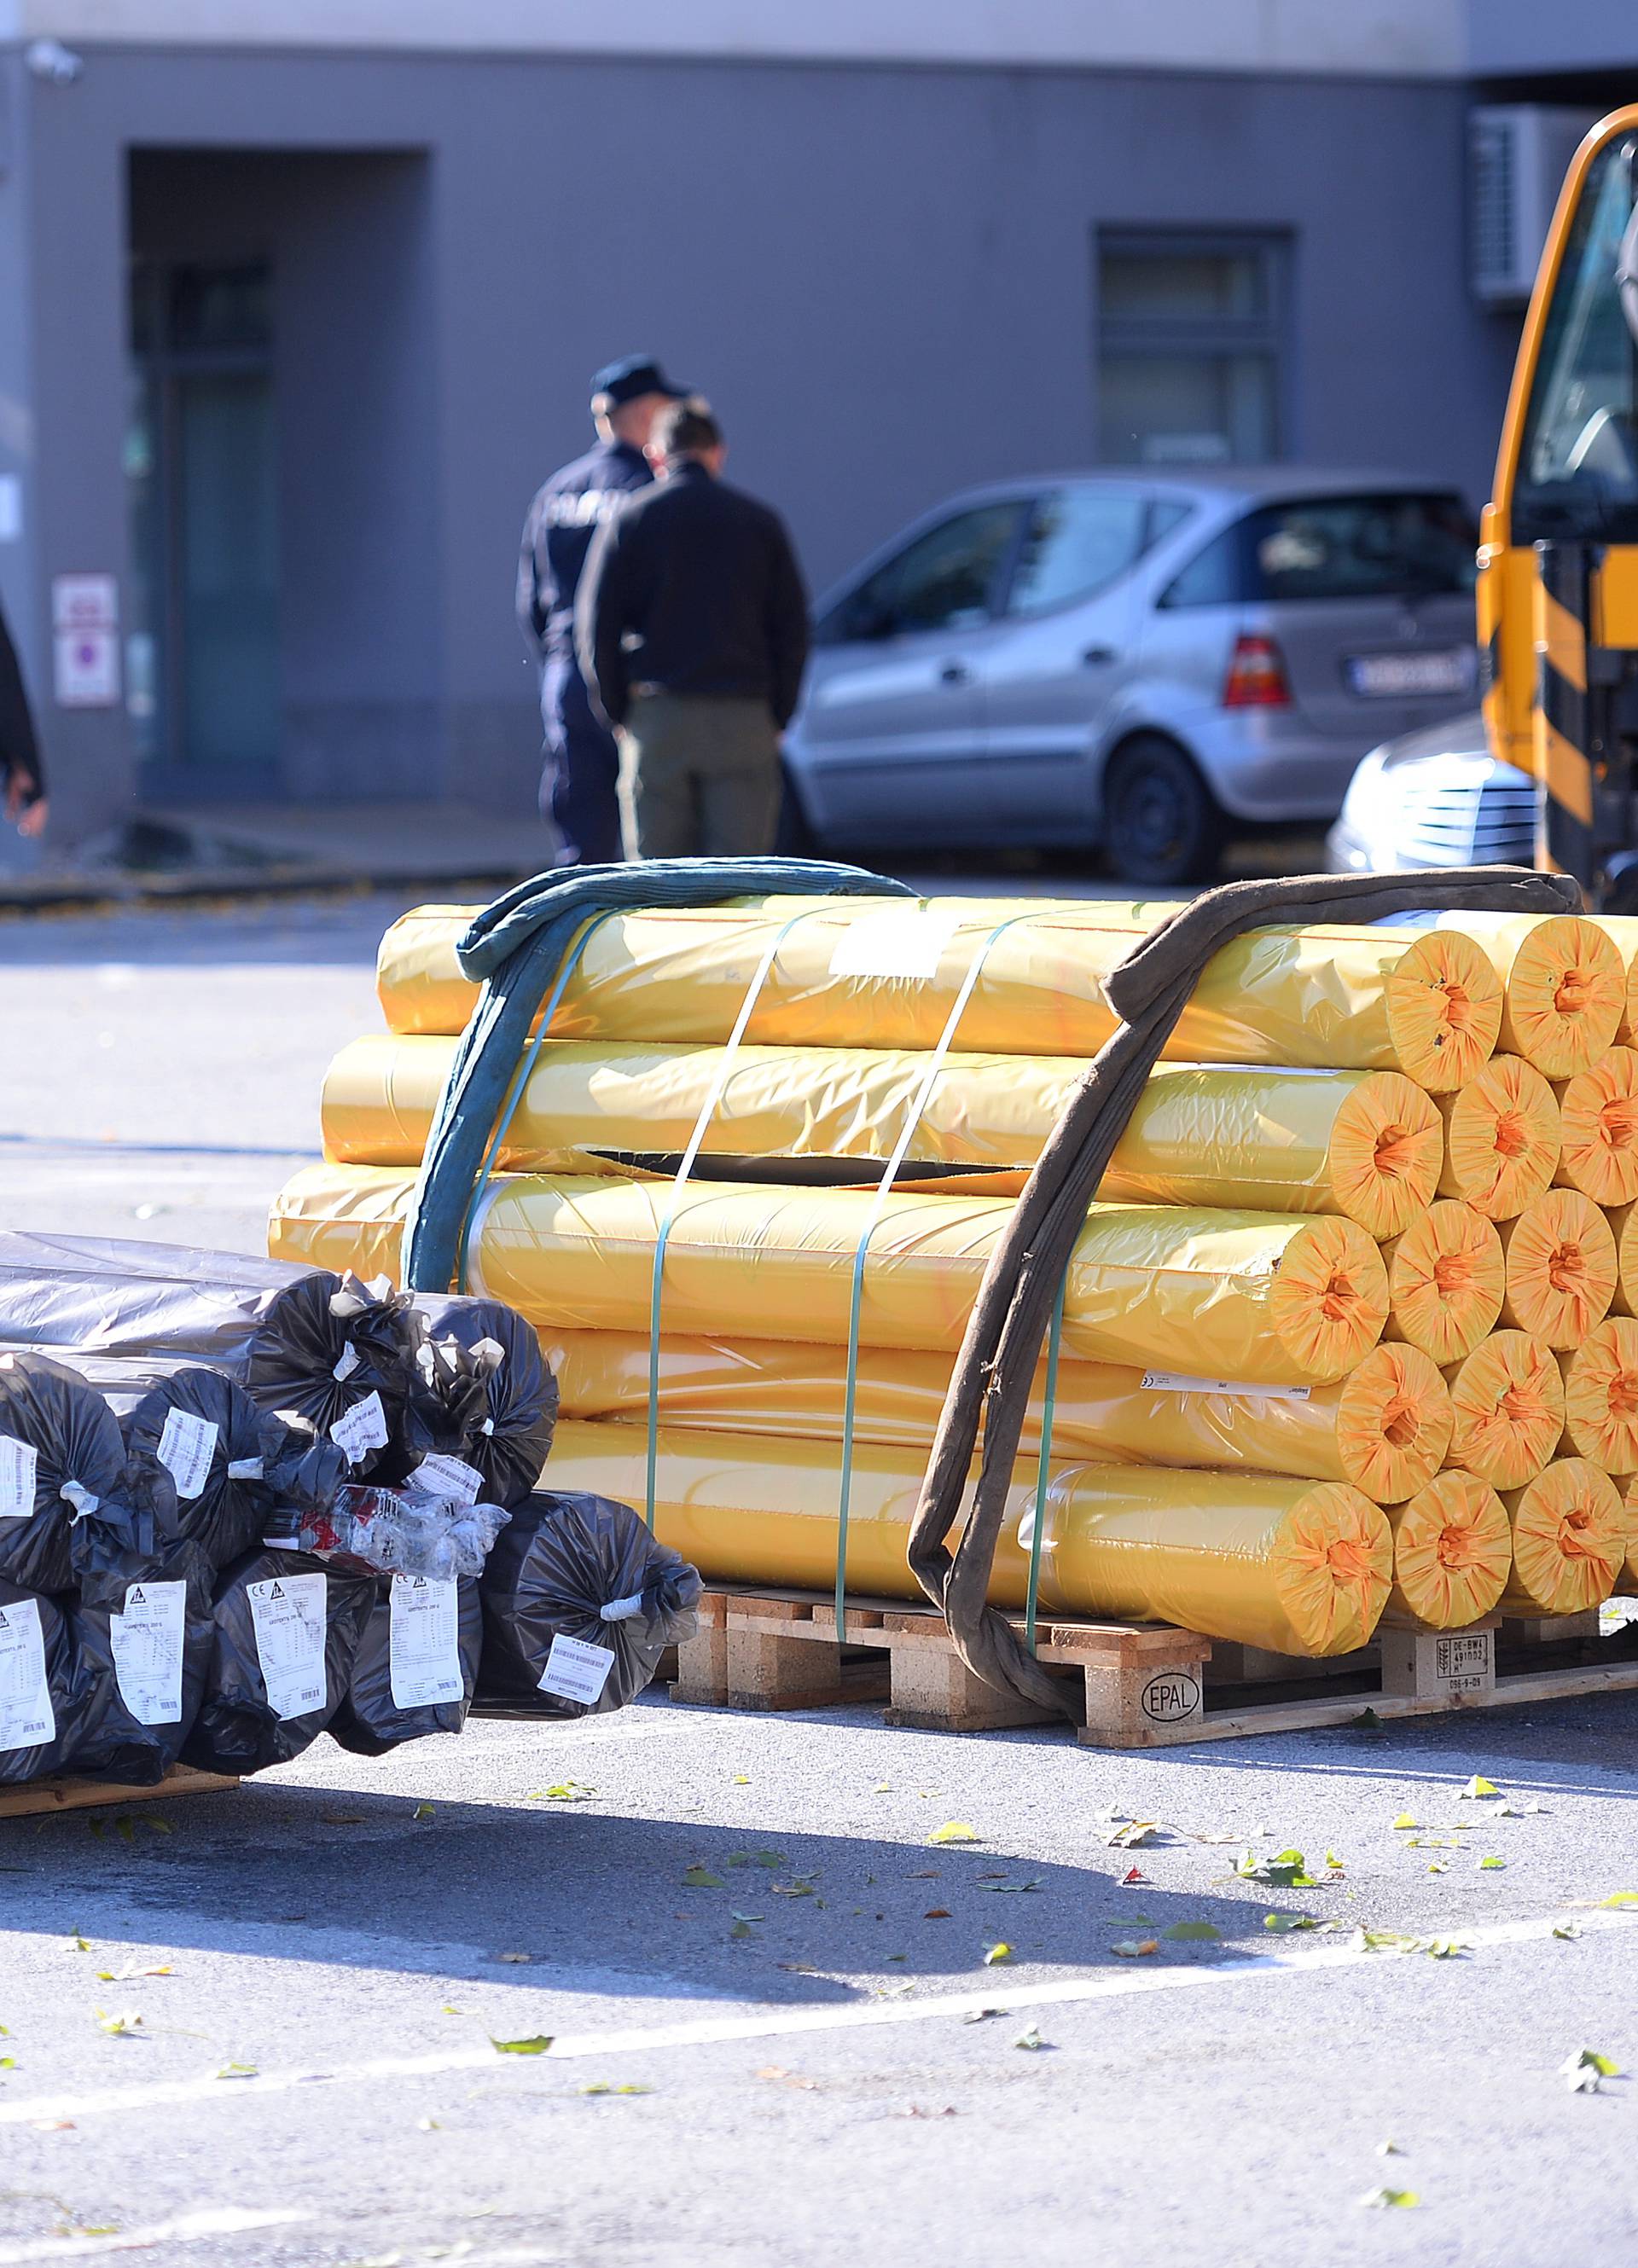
point(882, 276)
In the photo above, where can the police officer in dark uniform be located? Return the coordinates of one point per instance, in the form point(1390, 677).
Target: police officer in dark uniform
point(578, 786)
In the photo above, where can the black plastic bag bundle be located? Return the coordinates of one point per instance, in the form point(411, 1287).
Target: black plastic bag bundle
point(47, 1689)
point(284, 1631)
point(63, 1468)
point(336, 1357)
point(487, 1392)
point(579, 1593)
point(233, 1463)
point(417, 1667)
point(146, 1642)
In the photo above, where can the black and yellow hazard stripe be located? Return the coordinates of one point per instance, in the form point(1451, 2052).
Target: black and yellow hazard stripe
point(1565, 842)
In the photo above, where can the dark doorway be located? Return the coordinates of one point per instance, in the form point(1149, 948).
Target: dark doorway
point(202, 467)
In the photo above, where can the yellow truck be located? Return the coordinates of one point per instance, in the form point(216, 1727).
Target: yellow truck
point(1558, 560)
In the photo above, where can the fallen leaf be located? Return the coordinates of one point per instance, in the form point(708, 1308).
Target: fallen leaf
point(1405, 1820)
point(1336, 1865)
point(741, 1779)
point(982, 2015)
point(126, 1976)
point(1009, 1889)
point(514, 1957)
point(1437, 1867)
point(1131, 1948)
point(1389, 2198)
point(120, 2026)
point(1620, 1898)
point(1491, 1866)
point(1201, 1930)
point(954, 1830)
point(1567, 1929)
point(1445, 1949)
point(79, 1945)
point(1030, 2039)
point(928, 1874)
point(774, 1858)
point(916, 2111)
point(422, 1811)
point(1134, 1835)
point(1586, 2071)
point(52, 2126)
point(937, 1913)
point(1389, 2150)
point(997, 1952)
point(882, 1787)
point(742, 1925)
point(607, 2086)
point(1131, 1875)
point(235, 2071)
point(536, 2044)
point(701, 1878)
point(798, 1967)
point(1476, 1787)
point(7, 2063)
point(430, 2125)
point(564, 1791)
point(1282, 1922)
point(1286, 1870)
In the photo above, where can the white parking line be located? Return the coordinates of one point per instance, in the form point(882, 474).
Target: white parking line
point(781, 2023)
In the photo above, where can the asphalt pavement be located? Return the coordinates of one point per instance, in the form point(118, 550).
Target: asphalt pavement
point(693, 1986)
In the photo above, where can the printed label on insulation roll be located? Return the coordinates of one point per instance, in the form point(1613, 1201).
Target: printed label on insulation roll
point(27, 1719)
point(147, 1643)
point(1172, 1381)
point(17, 1463)
point(187, 1445)
point(361, 1429)
point(423, 1643)
point(287, 1616)
point(577, 1671)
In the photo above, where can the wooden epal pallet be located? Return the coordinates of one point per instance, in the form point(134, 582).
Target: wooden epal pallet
point(33, 1797)
point(1146, 1686)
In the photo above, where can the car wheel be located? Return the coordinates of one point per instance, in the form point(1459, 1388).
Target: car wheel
point(793, 836)
point(1161, 824)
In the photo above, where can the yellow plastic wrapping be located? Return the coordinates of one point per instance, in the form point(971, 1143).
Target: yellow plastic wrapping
point(1501, 1138)
point(864, 974)
point(1561, 1267)
point(1452, 1554)
point(1569, 1540)
point(1366, 1144)
point(1258, 1299)
point(1601, 1395)
point(1628, 1577)
point(1385, 1427)
point(1508, 1398)
point(1297, 1567)
point(1564, 981)
point(1598, 1129)
point(1622, 932)
point(1447, 1278)
point(1623, 1221)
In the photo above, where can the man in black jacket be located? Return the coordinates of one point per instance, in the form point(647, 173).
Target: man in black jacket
point(692, 629)
point(21, 778)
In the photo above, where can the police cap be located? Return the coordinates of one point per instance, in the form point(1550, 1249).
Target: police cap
point(627, 380)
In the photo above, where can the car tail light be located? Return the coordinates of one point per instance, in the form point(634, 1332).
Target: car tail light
point(1257, 676)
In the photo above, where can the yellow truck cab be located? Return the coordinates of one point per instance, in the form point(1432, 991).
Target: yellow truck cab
point(1558, 579)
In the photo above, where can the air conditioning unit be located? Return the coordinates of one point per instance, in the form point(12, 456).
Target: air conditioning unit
point(1518, 153)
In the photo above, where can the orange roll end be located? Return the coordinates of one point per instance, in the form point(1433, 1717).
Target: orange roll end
point(1508, 1398)
point(1601, 1395)
point(1501, 1138)
point(1598, 1129)
point(1566, 994)
point(1561, 1267)
point(1452, 1553)
point(1569, 1540)
point(1446, 1281)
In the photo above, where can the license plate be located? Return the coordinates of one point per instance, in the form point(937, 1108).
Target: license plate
point(1385, 676)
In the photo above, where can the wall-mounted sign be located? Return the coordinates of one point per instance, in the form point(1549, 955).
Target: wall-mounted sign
point(85, 641)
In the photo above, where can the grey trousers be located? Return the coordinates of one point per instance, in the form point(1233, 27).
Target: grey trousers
point(699, 777)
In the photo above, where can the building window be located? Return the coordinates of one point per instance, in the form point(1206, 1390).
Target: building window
point(1190, 338)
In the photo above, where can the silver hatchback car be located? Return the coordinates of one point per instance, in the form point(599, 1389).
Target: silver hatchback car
point(1146, 663)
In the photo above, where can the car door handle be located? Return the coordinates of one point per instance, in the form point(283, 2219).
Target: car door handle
point(955, 672)
point(1096, 657)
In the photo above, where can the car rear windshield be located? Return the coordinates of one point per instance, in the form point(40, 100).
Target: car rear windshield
point(1360, 546)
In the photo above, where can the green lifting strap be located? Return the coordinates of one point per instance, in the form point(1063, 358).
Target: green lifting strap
point(1037, 1529)
point(520, 1080)
point(912, 1119)
point(707, 1112)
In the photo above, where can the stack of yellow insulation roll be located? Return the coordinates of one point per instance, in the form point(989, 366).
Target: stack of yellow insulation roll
point(1350, 1328)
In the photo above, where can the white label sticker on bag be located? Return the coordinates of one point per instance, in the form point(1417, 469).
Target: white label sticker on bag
point(147, 1641)
point(187, 1445)
point(287, 1615)
point(449, 1478)
point(348, 1364)
point(17, 1460)
point(905, 941)
point(361, 1429)
point(577, 1671)
point(423, 1642)
point(1172, 1381)
point(27, 1719)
